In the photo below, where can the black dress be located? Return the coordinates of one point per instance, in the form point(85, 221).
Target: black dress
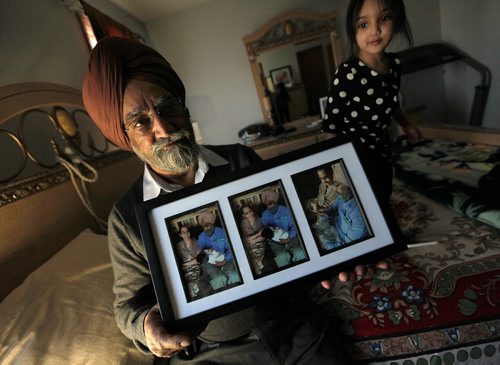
point(361, 104)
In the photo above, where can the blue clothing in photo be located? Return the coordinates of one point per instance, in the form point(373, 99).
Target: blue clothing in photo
point(217, 241)
point(349, 221)
point(281, 218)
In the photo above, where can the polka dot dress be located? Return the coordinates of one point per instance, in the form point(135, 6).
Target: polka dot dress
point(361, 103)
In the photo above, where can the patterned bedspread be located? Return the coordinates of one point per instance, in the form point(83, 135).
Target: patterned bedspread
point(449, 172)
point(438, 303)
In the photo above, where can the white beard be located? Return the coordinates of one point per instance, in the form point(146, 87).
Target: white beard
point(176, 158)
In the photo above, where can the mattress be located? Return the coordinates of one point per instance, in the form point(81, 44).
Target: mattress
point(63, 312)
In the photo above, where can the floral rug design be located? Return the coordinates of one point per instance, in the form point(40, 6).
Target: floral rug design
point(442, 294)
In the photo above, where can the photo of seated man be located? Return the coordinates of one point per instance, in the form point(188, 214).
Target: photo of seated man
point(218, 263)
point(345, 215)
point(326, 189)
point(332, 210)
point(282, 233)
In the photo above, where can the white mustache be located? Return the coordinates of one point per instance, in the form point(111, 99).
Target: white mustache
point(174, 137)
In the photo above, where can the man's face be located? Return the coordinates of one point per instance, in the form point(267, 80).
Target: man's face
point(325, 177)
point(271, 205)
point(208, 227)
point(158, 128)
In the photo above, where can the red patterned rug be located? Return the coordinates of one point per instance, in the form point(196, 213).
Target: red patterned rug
point(433, 297)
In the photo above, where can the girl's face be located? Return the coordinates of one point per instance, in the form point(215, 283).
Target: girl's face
point(374, 28)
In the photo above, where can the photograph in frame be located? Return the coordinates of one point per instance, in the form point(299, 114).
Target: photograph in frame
point(268, 229)
point(203, 252)
point(332, 207)
point(160, 221)
point(282, 74)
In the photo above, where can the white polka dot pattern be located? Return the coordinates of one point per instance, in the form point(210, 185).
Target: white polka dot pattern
point(362, 102)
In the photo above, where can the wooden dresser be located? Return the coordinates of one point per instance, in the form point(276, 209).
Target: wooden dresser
point(307, 131)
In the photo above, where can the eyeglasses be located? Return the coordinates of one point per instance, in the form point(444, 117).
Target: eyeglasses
point(167, 108)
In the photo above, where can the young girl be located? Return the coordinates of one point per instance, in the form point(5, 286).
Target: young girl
point(364, 92)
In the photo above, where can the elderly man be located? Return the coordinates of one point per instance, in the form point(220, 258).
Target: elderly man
point(220, 264)
point(285, 244)
point(138, 102)
point(326, 189)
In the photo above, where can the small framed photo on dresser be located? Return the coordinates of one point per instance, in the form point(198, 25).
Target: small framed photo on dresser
point(296, 219)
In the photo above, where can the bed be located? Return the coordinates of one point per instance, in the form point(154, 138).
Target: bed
point(55, 272)
point(438, 302)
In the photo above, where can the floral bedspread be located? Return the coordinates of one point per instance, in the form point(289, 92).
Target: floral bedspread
point(449, 172)
point(434, 298)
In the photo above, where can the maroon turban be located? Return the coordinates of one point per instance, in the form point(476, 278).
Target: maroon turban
point(113, 63)
point(206, 217)
point(269, 195)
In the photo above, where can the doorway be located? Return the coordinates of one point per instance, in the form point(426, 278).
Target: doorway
point(314, 75)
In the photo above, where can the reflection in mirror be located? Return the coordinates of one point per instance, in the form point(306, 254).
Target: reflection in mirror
point(311, 64)
point(304, 48)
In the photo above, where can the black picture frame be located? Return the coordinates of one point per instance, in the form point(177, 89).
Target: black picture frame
point(292, 177)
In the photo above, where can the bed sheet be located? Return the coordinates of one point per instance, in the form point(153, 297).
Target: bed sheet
point(449, 172)
point(63, 311)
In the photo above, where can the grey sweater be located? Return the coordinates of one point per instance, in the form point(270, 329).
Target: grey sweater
point(133, 288)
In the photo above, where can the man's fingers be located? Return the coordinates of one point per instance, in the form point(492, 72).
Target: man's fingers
point(169, 345)
point(174, 342)
point(159, 341)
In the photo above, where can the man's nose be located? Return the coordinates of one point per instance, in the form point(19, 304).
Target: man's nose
point(162, 128)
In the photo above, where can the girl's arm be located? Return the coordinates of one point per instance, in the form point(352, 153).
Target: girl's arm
point(408, 127)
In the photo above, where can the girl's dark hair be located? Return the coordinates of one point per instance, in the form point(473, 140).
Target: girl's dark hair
point(399, 19)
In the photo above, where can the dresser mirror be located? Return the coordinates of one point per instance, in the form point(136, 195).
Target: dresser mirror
point(300, 48)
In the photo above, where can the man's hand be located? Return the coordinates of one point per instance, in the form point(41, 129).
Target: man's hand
point(359, 271)
point(159, 341)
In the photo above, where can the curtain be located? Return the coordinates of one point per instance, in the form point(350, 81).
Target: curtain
point(102, 25)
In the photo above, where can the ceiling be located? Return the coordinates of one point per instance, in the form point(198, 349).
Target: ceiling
point(149, 10)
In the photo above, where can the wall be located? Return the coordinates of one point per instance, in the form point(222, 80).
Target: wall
point(472, 26)
point(205, 46)
point(41, 40)
point(448, 91)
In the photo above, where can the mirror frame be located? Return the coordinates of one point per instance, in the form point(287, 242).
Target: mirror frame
point(292, 27)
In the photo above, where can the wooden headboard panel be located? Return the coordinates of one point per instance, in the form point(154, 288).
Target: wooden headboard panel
point(39, 215)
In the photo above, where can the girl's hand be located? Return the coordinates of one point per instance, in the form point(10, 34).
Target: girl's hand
point(408, 127)
point(359, 271)
point(413, 132)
